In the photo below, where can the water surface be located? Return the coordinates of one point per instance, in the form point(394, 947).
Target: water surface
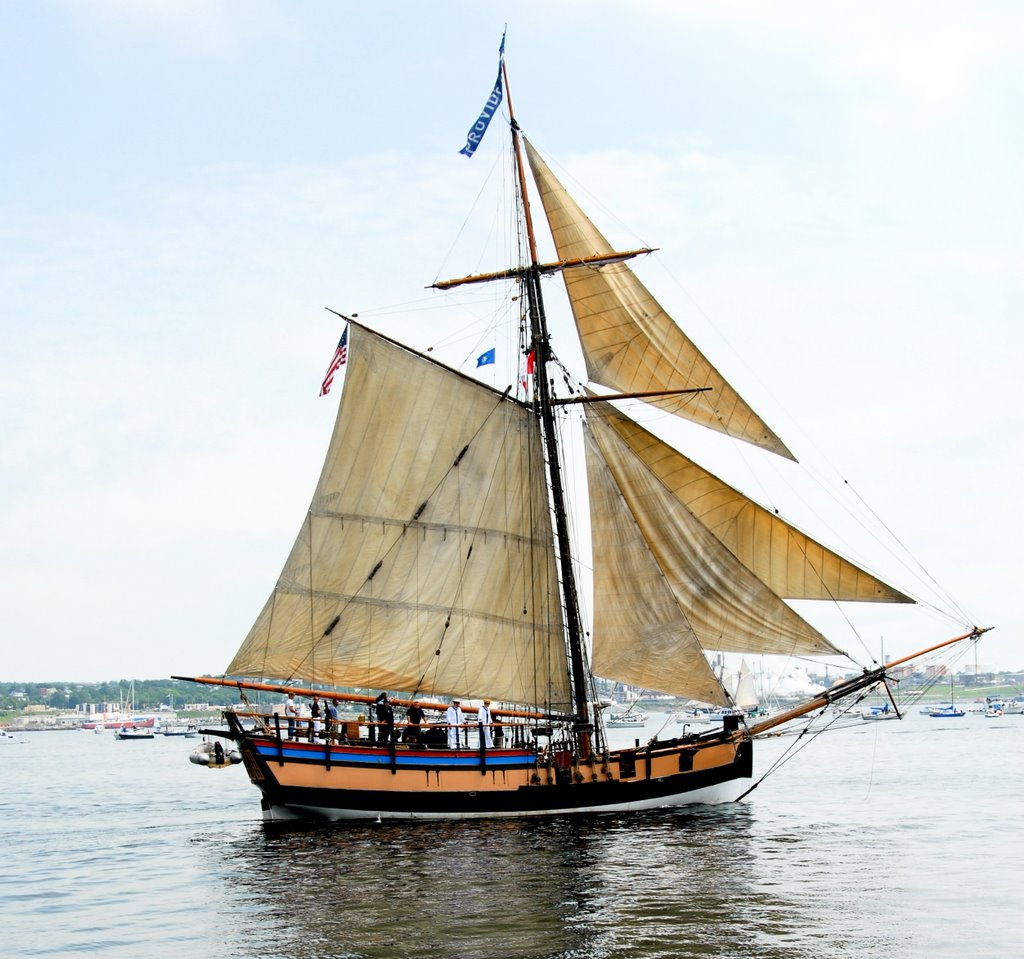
point(881, 840)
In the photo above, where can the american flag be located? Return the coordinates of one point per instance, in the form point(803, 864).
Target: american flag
point(340, 355)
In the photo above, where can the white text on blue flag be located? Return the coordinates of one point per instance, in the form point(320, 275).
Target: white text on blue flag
point(478, 129)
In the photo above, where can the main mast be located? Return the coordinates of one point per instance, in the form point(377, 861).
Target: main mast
point(541, 346)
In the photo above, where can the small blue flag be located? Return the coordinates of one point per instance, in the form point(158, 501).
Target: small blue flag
point(485, 358)
point(478, 129)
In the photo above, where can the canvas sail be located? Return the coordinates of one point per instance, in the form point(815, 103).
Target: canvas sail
point(745, 695)
point(642, 634)
point(426, 559)
point(723, 604)
point(630, 343)
point(786, 560)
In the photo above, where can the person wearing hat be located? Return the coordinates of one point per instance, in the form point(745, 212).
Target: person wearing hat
point(483, 715)
point(385, 718)
point(453, 716)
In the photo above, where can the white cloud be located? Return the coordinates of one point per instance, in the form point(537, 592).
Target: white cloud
point(164, 336)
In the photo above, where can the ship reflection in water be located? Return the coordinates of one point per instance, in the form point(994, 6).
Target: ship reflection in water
point(646, 885)
point(152, 855)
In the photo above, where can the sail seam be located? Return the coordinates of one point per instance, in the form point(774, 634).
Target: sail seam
point(446, 528)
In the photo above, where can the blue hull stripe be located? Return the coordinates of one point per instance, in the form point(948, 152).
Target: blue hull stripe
point(462, 759)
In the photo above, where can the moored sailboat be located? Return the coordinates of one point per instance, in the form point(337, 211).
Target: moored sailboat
point(948, 710)
point(435, 562)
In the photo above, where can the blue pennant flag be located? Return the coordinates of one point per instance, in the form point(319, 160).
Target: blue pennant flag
point(478, 129)
point(485, 358)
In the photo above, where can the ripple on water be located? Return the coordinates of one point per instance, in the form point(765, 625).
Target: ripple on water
point(871, 840)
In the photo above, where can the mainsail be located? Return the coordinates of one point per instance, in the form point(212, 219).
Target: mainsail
point(629, 342)
point(426, 558)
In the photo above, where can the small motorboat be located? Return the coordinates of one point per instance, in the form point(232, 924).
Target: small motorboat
point(214, 755)
point(137, 732)
point(189, 731)
point(626, 720)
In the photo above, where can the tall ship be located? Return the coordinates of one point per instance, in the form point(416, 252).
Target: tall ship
point(437, 565)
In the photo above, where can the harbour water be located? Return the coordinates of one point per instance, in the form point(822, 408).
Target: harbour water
point(893, 840)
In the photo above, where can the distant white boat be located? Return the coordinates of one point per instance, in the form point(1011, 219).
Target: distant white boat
point(695, 716)
point(700, 715)
point(627, 719)
point(188, 730)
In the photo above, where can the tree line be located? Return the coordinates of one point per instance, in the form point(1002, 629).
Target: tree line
point(148, 694)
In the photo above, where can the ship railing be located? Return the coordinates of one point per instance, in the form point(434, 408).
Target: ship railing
point(369, 732)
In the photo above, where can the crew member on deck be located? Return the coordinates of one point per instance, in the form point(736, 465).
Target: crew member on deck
point(331, 719)
point(314, 726)
point(290, 712)
point(414, 731)
point(453, 716)
point(385, 713)
point(483, 715)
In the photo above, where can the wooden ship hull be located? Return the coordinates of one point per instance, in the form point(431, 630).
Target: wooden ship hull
point(336, 781)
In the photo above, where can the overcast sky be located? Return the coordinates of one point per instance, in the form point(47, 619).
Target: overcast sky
point(834, 189)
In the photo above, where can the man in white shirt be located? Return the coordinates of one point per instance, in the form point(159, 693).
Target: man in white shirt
point(290, 713)
point(483, 715)
point(454, 717)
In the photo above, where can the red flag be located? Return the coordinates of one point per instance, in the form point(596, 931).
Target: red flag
point(525, 379)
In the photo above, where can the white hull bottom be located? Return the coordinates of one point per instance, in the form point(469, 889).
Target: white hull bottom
point(720, 793)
